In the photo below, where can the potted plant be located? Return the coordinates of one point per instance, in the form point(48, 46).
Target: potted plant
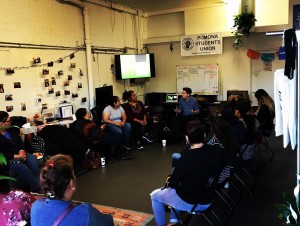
point(243, 23)
point(3, 161)
point(289, 212)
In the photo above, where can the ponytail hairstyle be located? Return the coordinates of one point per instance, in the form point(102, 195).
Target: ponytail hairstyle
point(56, 175)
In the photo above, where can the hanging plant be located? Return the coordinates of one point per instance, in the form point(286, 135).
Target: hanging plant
point(243, 23)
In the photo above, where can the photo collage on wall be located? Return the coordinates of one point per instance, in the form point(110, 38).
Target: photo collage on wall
point(50, 83)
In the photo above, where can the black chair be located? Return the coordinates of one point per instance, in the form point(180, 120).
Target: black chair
point(97, 113)
point(210, 186)
point(264, 151)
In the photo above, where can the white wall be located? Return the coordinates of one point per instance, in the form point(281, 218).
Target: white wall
point(51, 22)
point(235, 71)
point(234, 65)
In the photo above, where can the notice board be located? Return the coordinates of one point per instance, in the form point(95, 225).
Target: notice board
point(202, 78)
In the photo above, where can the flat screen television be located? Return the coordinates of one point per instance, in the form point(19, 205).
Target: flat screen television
point(134, 66)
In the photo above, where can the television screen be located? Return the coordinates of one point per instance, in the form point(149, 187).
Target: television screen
point(133, 66)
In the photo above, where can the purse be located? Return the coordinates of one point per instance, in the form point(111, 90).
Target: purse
point(92, 160)
point(65, 213)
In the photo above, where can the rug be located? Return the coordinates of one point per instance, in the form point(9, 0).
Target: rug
point(123, 217)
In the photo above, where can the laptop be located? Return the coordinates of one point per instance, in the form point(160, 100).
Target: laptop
point(172, 98)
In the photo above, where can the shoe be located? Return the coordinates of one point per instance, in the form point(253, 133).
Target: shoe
point(148, 139)
point(139, 146)
point(127, 147)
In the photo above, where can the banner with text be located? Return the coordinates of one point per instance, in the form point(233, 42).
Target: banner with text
point(203, 44)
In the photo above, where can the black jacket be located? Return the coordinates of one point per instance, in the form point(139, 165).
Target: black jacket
point(193, 170)
point(10, 147)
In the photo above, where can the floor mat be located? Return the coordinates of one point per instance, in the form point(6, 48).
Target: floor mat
point(124, 217)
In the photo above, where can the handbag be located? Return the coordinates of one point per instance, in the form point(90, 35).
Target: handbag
point(92, 160)
point(65, 213)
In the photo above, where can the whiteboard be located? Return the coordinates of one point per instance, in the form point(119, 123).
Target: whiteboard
point(201, 78)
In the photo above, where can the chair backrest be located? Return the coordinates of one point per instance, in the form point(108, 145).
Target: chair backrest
point(97, 113)
point(212, 182)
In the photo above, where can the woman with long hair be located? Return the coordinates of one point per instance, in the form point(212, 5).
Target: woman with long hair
point(265, 112)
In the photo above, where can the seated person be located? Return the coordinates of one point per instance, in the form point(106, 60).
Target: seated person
point(188, 109)
point(188, 181)
point(23, 164)
point(115, 118)
point(242, 109)
point(265, 112)
point(96, 134)
point(59, 184)
point(222, 137)
point(137, 116)
point(15, 205)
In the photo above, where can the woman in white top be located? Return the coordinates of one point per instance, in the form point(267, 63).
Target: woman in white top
point(115, 117)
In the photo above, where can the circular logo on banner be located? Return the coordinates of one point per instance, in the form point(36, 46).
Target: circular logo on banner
point(187, 44)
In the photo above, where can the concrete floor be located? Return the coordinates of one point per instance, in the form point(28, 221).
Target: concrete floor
point(128, 183)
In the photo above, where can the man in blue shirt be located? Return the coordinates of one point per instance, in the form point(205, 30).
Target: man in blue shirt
point(187, 110)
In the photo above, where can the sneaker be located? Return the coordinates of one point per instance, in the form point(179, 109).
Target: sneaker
point(127, 147)
point(148, 139)
point(139, 146)
point(126, 151)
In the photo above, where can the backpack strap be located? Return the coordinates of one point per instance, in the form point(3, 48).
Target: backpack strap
point(65, 213)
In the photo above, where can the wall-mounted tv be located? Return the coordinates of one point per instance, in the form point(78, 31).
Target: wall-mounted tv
point(134, 66)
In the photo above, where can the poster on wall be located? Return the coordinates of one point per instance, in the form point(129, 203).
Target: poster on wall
point(202, 44)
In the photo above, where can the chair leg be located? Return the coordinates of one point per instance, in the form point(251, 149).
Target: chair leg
point(239, 178)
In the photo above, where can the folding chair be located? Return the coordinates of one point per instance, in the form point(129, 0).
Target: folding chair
point(210, 186)
point(264, 151)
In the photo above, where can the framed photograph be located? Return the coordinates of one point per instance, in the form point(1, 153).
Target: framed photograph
point(9, 108)
point(67, 92)
point(70, 77)
point(74, 95)
point(17, 85)
point(83, 99)
point(79, 85)
point(53, 81)
point(8, 97)
point(44, 106)
point(51, 90)
point(1, 88)
point(46, 81)
point(23, 106)
point(66, 83)
point(57, 93)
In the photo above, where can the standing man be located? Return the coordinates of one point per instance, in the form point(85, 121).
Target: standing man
point(188, 109)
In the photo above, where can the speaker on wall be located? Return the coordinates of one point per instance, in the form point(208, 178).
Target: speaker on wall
point(103, 95)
